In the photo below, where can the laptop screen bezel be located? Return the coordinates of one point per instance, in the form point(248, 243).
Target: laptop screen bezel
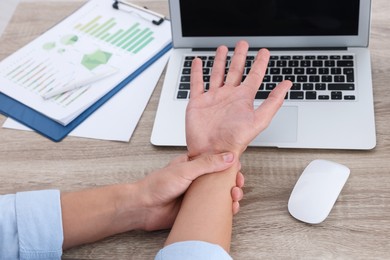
point(360, 40)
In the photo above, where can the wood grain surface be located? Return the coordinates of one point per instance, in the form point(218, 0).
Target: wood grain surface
point(357, 228)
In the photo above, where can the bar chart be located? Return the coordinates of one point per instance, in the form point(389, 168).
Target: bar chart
point(132, 39)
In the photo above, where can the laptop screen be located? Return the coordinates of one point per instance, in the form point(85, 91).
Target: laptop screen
point(212, 18)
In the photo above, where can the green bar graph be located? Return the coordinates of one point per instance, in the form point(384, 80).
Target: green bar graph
point(92, 27)
point(131, 39)
point(114, 35)
point(101, 27)
point(106, 29)
point(83, 28)
point(124, 34)
point(143, 45)
point(140, 41)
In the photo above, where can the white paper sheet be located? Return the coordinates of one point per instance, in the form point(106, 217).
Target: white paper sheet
point(116, 120)
point(94, 39)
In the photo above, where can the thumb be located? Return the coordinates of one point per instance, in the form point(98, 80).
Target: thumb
point(209, 163)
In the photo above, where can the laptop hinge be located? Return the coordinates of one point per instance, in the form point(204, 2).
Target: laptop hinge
point(284, 49)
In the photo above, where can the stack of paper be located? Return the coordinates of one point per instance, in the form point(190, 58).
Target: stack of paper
point(92, 41)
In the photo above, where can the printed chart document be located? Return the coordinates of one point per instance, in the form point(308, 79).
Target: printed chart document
point(117, 119)
point(93, 40)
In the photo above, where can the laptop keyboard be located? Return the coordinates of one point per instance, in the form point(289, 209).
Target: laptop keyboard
point(314, 77)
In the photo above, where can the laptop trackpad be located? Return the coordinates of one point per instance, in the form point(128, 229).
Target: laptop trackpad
point(283, 128)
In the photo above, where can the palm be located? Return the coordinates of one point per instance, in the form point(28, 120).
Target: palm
point(224, 118)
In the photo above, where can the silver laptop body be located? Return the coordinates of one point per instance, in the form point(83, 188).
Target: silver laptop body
point(306, 28)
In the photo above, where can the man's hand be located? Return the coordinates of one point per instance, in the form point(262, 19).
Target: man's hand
point(162, 190)
point(224, 119)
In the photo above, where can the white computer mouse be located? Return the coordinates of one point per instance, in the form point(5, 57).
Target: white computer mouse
point(316, 191)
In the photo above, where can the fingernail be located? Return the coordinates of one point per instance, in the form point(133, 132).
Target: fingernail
point(228, 157)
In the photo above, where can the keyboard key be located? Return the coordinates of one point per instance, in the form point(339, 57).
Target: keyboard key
point(311, 95)
point(349, 97)
point(320, 86)
point(311, 71)
point(185, 79)
point(262, 94)
point(267, 78)
point(290, 78)
point(318, 63)
point(310, 57)
point(302, 79)
point(281, 63)
point(350, 74)
point(335, 71)
point(296, 94)
point(277, 78)
point(307, 86)
point(323, 97)
point(184, 86)
point(339, 78)
point(187, 64)
point(326, 78)
point(347, 57)
point(186, 71)
point(335, 57)
point(298, 57)
point(314, 78)
point(330, 63)
point(293, 63)
point(182, 94)
point(322, 57)
point(323, 71)
point(286, 71)
point(270, 86)
point(336, 95)
point(345, 63)
point(296, 86)
point(339, 87)
point(299, 71)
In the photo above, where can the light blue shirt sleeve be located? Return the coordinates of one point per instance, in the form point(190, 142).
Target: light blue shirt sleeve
point(192, 250)
point(31, 225)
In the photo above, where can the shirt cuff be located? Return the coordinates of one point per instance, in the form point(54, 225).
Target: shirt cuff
point(39, 224)
point(191, 250)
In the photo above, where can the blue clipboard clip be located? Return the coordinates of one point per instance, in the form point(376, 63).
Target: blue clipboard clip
point(158, 21)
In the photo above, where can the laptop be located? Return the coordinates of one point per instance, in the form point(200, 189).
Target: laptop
point(321, 46)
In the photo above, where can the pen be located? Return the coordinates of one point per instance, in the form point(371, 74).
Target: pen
point(79, 83)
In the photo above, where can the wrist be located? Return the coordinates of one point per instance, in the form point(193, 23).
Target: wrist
point(129, 206)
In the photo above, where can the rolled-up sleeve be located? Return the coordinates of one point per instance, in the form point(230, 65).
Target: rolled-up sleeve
point(31, 225)
point(192, 250)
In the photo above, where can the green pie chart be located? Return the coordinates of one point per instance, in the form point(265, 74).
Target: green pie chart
point(69, 39)
point(49, 45)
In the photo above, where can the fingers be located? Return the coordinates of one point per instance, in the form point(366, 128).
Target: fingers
point(237, 65)
point(218, 72)
point(266, 111)
point(196, 82)
point(258, 69)
point(237, 192)
point(237, 195)
point(208, 164)
point(236, 207)
point(240, 180)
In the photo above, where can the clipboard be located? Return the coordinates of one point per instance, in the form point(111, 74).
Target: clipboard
point(50, 128)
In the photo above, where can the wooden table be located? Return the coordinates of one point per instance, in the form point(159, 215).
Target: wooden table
point(357, 228)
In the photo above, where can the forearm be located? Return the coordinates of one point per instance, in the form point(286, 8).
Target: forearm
point(93, 214)
point(206, 212)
